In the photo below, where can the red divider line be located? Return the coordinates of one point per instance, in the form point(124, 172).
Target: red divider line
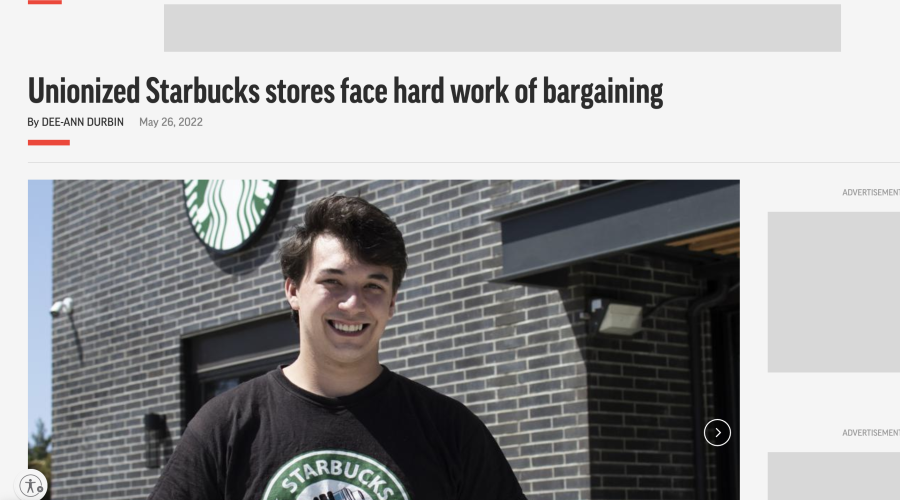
point(44, 2)
point(48, 142)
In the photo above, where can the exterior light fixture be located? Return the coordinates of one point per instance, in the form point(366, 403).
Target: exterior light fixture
point(615, 318)
point(154, 434)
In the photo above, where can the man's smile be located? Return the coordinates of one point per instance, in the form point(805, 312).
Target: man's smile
point(345, 328)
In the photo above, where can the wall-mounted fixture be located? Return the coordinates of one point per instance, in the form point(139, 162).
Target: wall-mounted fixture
point(154, 434)
point(63, 306)
point(613, 317)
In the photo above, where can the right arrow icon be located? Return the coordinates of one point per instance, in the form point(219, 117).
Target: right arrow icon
point(717, 432)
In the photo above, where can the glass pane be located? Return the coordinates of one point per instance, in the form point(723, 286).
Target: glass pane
point(213, 388)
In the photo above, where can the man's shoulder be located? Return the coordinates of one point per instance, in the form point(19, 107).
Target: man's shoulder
point(445, 419)
point(433, 399)
point(237, 404)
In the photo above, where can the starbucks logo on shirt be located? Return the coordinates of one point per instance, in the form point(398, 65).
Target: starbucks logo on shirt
point(334, 475)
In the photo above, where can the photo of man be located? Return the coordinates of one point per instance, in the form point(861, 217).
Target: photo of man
point(336, 419)
point(397, 339)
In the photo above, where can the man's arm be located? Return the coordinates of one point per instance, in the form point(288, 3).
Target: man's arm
point(191, 473)
point(486, 472)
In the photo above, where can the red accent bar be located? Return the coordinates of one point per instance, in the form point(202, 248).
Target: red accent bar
point(46, 142)
point(44, 2)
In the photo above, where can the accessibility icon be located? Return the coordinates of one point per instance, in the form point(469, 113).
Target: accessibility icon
point(30, 485)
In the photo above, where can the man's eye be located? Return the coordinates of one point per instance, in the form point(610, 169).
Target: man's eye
point(331, 282)
point(374, 286)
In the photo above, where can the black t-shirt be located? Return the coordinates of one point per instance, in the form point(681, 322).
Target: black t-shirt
point(395, 439)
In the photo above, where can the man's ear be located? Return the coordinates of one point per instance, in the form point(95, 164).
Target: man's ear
point(290, 291)
point(393, 308)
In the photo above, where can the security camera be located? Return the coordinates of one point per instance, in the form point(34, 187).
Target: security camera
point(63, 306)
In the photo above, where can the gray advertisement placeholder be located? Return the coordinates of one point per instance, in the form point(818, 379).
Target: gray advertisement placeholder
point(833, 289)
point(502, 28)
point(834, 476)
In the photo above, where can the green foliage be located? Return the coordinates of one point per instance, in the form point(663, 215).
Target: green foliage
point(40, 443)
point(39, 452)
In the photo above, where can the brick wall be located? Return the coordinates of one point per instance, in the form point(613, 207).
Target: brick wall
point(579, 417)
point(639, 387)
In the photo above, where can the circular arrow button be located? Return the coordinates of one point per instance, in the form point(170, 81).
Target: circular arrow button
point(717, 432)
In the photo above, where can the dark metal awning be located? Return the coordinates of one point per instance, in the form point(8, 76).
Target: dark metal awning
point(541, 240)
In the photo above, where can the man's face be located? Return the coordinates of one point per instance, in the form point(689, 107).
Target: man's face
point(344, 305)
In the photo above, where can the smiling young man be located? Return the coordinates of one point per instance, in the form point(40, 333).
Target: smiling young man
point(335, 424)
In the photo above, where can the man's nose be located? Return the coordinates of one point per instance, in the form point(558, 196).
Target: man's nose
point(352, 302)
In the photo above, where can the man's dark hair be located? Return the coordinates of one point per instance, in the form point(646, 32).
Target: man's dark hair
point(365, 231)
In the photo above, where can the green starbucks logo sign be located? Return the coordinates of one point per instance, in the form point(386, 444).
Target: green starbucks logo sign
point(228, 215)
point(333, 474)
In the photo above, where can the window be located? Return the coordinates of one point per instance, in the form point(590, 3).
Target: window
point(218, 361)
